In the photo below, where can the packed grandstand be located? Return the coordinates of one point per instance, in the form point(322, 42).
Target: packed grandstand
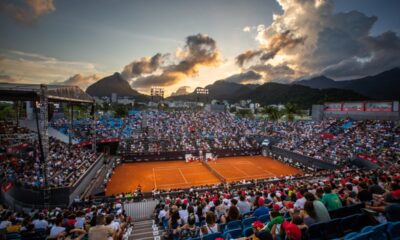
point(346, 201)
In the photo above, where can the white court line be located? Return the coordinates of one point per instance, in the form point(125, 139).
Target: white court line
point(266, 171)
point(173, 168)
point(240, 170)
point(182, 175)
point(154, 177)
point(189, 183)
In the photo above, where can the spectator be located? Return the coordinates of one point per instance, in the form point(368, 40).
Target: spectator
point(100, 231)
point(243, 205)
point(233, 214)
point(210, 226)
point(262, 209)
point(364, 195)
point(274, 226)
point(309, 214)
point(318, 210)
point(57, 230)
point(331, 200)
point(190, 230)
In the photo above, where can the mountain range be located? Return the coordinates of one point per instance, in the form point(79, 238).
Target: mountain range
point(114, 84)
point(273, 93)
point(383, 86)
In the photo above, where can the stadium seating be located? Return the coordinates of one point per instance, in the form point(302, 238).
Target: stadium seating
point(333, 229)
point(247, 232)
point(236, 224)
point(394, 230)
point(212, 236)
point(234, 233)
point(377, 232)
point(246, 222)
point(316, 231)
point(346, 211)
point(264, 218)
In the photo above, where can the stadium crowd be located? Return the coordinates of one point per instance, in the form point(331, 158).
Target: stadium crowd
point(87, 221)
point(21, 160)
point(331, 140)
point(341, 140)
point(190, 131)
point(284, 207)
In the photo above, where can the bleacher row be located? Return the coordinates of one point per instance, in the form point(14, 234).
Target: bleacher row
point(349, 222)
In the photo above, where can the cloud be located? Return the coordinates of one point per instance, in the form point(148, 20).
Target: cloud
point(145, 65)
point(184, 90)
point(7, 79)
point(27, 11)
point(245, 77)
point(36, 68)
point(273, 46)
point(247, 56)
point(199, 51)
point(279, 72)
point(384, 54)
point(247, 29)
point(310, 38)
point(80, 80)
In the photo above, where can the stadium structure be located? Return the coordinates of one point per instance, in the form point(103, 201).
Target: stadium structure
point(197, 174)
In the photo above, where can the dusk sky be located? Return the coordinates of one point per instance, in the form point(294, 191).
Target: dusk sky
point(176, 43)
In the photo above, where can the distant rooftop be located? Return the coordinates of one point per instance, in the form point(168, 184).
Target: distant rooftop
point(28, 92)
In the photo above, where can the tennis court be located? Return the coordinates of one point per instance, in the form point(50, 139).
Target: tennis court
point(179, 174)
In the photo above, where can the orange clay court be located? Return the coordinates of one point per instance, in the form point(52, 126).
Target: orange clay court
point(179, 174)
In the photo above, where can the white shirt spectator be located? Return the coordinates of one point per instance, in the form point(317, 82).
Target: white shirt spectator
point(4, 224)
point(40, 224)
point(55, 231)
point(299, 204)
point(183, 214)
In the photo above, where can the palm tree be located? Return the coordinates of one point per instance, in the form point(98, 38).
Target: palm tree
point(291, 110)
point(273, 113)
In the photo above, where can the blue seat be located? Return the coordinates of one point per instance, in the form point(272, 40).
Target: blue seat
point(222, 227)
point(212, 236)
point(247, 232)
point(234, 225)
point(362, 236)
point(264, 218)
point(349, 224)
point(378, 231)
point(234, 233)
point(246, 215)
point(316, 231)
point(394, 230)
point(366, 229)
point(248, 221)
point(333, 229)
point(350, 235)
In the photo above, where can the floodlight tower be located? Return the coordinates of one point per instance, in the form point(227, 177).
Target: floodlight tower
point(201, 92)
point(157, 93)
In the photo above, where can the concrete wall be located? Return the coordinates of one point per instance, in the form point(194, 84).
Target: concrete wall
point(84, 181)
point(318, 114)
point(392, 116)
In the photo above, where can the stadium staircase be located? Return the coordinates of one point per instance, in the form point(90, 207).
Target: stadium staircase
point(145, 230)
point(144, 227)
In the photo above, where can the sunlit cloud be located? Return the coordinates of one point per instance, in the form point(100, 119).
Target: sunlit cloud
point(27, 11)
point(37, 68)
